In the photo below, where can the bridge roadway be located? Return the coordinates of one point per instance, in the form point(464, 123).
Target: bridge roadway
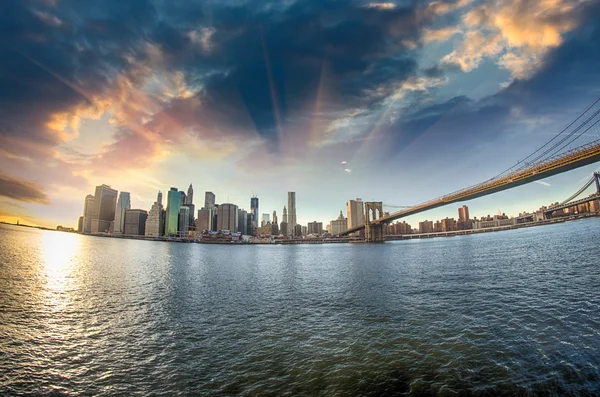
point(584, 155)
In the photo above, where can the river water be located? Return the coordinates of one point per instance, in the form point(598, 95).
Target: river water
point(514, 312)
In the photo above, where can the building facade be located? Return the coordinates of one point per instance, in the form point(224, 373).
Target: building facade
point(292, 213)
point(355, 211)
point(184, 221)
point(315, 228)
point(88, 211)
point(338, 225)
point(209, 200)
point(155, 223)
point(172, 212)
point(227, 217)
point(123, 204)
point(105, 201)
point(135, 222)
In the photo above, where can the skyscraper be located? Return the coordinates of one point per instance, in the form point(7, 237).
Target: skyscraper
point(339, 225)
point(463, 213)
point(292, 213)
point(209, 200)
point(265, 219)
point(227, 217)
point(205, 220)
point(88, 211)
point(105, 201)
point(172, 215)
point(242, 221)
point(355, 212)
point(135, 222)
point(155, 223)
point(254, 209)
point(123, 204)
point(190, 195)
point(275, 218)
point(183, 198)
point(284, 215)
point(184, 217)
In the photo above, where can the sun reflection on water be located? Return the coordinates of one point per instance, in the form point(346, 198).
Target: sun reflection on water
point(59, 253)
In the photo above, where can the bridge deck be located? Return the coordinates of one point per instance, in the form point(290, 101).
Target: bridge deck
point(584, 155)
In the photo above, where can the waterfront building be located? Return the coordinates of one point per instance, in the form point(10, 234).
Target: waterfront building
point(315, 228)
point(292, 213)
point(184, 225)
point(401, 228)
point(155, 223)
point(123, 204)
point(437, 227)
point(105, 201)
point(88, 211)
point(297, 231)
point(80, 225)
point(227, 217)
point(242, 221)
point(172, 212)
point(426, 227)
point(305, 230)
point(265, 230)
point(274, 229)
point(135, 222)
point(355, 212)
point(205, 219)
point(448, 225)
point(275, 217)
point(463, 214)
point(284, 215)
point(249, 223)
point(265, 218)
point(209, 200)
point(338, 225)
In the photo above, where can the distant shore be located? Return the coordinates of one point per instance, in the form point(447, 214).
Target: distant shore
point(326, 240)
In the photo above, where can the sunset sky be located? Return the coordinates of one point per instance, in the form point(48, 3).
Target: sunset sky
point(399, 102)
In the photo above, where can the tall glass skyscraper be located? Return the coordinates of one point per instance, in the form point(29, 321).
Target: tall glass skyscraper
point(172, 215)
point(254, 209)
point(123, 204)
point(292, 213)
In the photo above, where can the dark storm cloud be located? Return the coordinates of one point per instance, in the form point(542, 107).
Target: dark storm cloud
point(21, 190)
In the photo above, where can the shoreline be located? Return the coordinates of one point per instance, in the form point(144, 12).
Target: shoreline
point(332, 240)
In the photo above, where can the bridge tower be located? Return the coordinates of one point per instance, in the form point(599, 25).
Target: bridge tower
point(373, 231)
point(597, 179)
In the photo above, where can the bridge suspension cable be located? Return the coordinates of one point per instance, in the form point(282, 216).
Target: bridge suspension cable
point(587, 184)
point(556, 147)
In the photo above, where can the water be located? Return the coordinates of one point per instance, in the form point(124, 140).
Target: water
point(514, 312)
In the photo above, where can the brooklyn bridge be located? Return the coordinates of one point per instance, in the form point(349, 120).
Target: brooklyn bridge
point(576, 145)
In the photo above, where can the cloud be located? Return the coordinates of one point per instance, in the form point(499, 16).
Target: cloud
point(442, 34)
point(348, 170)
point(21, 190)
point(517, 34)
point(542, 183)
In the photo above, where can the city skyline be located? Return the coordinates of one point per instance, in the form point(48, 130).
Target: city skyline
point(326, 99)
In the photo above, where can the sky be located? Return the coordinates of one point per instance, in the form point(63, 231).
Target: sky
point(400, 101)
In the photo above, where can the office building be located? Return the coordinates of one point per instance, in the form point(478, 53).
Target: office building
point(209, 199)
point(275, 218)
point(284, 215)
point(184, 217)
point(155, 223)
point(172, 212)
point(339, 225)
point(315, 228)
point(254, 210)
point(426, 227)
point(205, 219)
point(297, 231)
point(283, 228)
point(355, 212)
point(265, 218)
point(183, 199)
point(135, 222)
point(123, 204)
point(463, 213)
point(80, 225)
point(265, 230)
point(292, 213)
point(105, 201)
point(227, 217)
point(88, 211)
point(190, 195)
point(242, 221)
